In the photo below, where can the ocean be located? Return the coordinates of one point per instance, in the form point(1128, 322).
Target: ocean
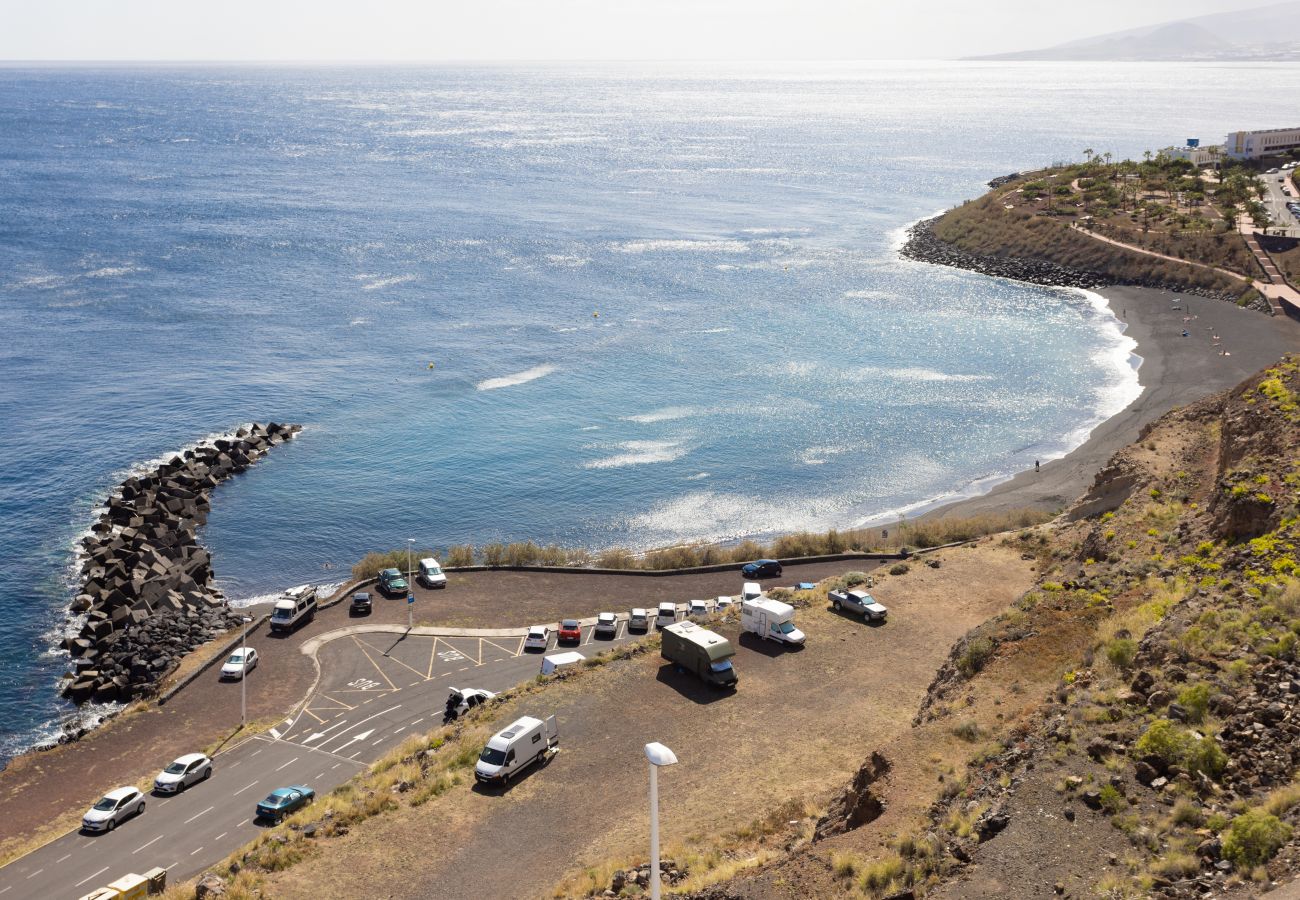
point(593, 305)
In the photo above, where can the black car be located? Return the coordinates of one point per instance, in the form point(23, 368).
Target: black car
point(361, 604)
point(761, 568)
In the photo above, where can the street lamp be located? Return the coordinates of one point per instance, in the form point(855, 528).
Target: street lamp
point(410, 587)
point(659, 755)
point(243, 676)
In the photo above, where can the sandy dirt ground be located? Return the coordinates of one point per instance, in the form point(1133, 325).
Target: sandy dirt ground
point(799, 725)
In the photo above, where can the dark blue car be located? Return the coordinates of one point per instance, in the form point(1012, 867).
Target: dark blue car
point(283, 801)
point(761, 568)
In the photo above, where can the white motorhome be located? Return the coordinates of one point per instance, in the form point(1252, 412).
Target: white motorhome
point(557, 661)
point(431, 574)
point(770, 620)
point(298, 605)
point(752, 590)
point(513, 749)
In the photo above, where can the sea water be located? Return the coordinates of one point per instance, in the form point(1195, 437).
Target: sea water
point(599, 306)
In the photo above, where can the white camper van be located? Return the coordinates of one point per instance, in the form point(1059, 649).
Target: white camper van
point(513, 749)
point(770, 620)
point(431, 573)
point(298, 605)
point(667, 615)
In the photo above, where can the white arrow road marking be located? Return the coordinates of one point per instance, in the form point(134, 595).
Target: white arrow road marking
point(357, 737)
point(367, 719)
point(320, 734)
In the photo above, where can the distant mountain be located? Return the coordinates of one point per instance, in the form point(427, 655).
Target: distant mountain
point(1266, 33)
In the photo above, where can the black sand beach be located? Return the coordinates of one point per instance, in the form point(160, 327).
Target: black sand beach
point(1175, 371)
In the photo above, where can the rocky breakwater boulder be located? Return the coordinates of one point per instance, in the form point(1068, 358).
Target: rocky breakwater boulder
point(147, 589)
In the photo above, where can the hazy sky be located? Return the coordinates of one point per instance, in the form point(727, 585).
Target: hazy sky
point(561, 29)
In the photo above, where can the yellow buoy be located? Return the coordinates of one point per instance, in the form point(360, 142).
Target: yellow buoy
point(595, 315)
point(430, 365)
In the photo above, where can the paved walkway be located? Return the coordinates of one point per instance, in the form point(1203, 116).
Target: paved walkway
point(1276, 290)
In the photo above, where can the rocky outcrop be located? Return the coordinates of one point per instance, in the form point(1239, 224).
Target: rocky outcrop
point(147, 590)
point(857, 805)
point(924, 245)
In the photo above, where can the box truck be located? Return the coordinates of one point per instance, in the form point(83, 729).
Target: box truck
point(771, 620)
point(701, 652)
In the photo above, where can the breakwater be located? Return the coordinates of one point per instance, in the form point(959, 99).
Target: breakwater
point(147, 592)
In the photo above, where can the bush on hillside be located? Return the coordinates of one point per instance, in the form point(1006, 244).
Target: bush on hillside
point(1254, 837)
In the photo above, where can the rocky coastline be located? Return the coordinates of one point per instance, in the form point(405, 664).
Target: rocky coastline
point(147, 593)
point(924, 245)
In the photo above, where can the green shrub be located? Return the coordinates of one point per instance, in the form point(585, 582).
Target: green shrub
point(1121, 652)
point(462, 555)
point(974, 656)
point(1112, 800)
point(853, 579)
point(1174, 745)
point(899, 569)
point(1254, 837)
point(1196, 700)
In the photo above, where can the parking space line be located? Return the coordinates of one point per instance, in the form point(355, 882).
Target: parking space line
point(522, 638)
point(382, 674)
point(244, 788)
point(433, 656)
point(336, 700)
point(89, 878)
point(289, 763)
point(396, 660)
point(591, 633)
point(313, 715)
point(504, 650)
point(196, 815)
point(142, 846)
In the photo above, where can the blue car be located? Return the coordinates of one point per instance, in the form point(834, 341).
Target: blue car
point(761, 568)
point(283, 801)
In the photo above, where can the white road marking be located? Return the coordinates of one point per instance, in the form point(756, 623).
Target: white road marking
point(321, 734)
point(62, 858)
point(244, 788)
point(377, 743)
point(7, 890)
point(364, 721)
point(255, 752)
point(290, 762)
point(195, 850)
point(413, 684)
point(233, 764)
point(335, 766)
point(417, 721)
point(242, 824)
point(142, 846)
point(275, 734)
point(96, 875)
point(37, 872)
point(355, 755)
point(364, 702)
point(196, 815)
point(220, 836)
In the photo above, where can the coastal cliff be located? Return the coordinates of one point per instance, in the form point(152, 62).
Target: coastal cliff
point(147, 591)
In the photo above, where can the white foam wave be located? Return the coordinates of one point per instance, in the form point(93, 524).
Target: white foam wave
point(491, 384)
point(920, 374)
point(816, 456)
point(868, 295)
point(714, 516)
point(681, 246)
point(640, 453)
point(698, 476)
point(667, 414)
point(111, 271)
point(378, 282)
point(566, 261)
point(358, 321)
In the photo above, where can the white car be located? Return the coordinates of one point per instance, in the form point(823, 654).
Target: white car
point(606, 625)
point(462, 700)
point(537, 639)
point(725, 602)
point(667, 615)
point(638, 620)
point(241, 662)
point(697, 609)
point(185, 771)
point(114, 808)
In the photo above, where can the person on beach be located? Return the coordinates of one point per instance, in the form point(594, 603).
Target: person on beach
point(1037, 468)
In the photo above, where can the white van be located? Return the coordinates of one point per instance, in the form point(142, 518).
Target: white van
point(298, 605)
point(557, 661)
point(751, 591)
point(431, 574)
point(667, 614)
point(513, 749)
point(770, 620)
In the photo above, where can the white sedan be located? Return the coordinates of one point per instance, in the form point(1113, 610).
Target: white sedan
point(537, 639)
point(185, 771)
point(241, 662)
point(114, 808)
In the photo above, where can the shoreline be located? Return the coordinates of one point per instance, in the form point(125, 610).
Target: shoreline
point(1174, 371)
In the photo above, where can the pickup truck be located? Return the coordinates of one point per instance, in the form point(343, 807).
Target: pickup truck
point(859, 602)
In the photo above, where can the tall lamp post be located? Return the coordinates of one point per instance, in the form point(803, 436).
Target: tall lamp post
point(410, 586)
point(243, 676)
point(659, 755)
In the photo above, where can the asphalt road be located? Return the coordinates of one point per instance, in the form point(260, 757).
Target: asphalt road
point(375, 689)
point(1276, 199)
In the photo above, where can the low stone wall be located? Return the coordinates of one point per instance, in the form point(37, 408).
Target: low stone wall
point(147, 586)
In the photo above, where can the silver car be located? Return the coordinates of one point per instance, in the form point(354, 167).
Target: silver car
point(114, 808)
point(185, 771)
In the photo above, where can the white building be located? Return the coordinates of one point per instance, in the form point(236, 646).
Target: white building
point(1197, 156)
point(1257, 144)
